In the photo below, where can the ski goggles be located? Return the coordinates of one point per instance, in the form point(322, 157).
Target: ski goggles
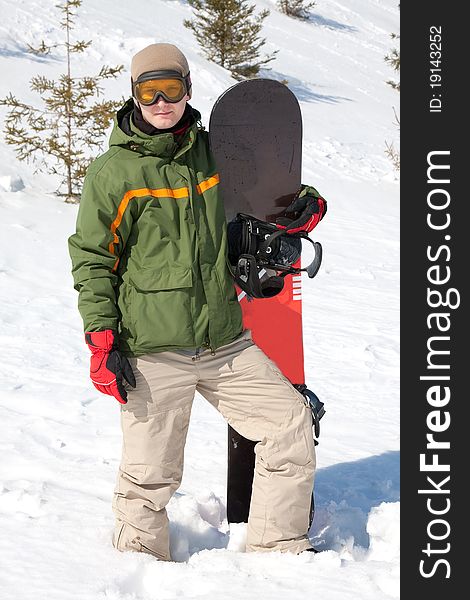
point(170, 85)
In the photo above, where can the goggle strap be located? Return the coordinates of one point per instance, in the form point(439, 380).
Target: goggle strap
point(160, 75)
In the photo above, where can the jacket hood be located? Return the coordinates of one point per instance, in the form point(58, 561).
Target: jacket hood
point(126, 135)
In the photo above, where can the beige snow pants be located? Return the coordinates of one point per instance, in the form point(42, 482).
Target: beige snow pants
point(251, 393)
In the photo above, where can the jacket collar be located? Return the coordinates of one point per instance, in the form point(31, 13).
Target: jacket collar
point(126, 134)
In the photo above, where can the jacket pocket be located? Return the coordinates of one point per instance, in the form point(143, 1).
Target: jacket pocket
point(161, 310)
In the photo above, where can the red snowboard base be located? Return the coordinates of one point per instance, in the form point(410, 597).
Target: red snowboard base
point(276, 325)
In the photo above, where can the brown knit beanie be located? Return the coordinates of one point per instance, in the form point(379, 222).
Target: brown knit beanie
point(159, 57)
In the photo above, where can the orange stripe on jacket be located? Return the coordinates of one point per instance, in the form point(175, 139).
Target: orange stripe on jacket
point(207, 184)
point(158, 193)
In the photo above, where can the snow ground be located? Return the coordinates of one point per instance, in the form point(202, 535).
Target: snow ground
point(60, 442)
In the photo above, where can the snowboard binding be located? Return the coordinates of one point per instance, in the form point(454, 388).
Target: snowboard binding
point(257, 247)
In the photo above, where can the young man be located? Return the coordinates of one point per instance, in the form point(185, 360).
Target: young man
point(162, 319)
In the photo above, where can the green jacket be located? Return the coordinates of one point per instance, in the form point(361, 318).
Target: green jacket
point(149, 252)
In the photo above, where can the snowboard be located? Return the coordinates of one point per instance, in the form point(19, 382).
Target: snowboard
point(255, 133)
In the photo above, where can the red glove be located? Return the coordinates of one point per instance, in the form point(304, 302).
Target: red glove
point(307, 211)
point(108, 366)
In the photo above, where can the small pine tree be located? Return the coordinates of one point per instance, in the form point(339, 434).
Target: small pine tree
point(68, 127)
point(393, 59)
point(390, 149)
point(228, 32)
point(296, 8)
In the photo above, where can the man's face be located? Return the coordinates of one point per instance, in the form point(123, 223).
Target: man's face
point(163, 114)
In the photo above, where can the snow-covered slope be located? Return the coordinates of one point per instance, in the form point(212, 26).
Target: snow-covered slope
point(60, 441)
